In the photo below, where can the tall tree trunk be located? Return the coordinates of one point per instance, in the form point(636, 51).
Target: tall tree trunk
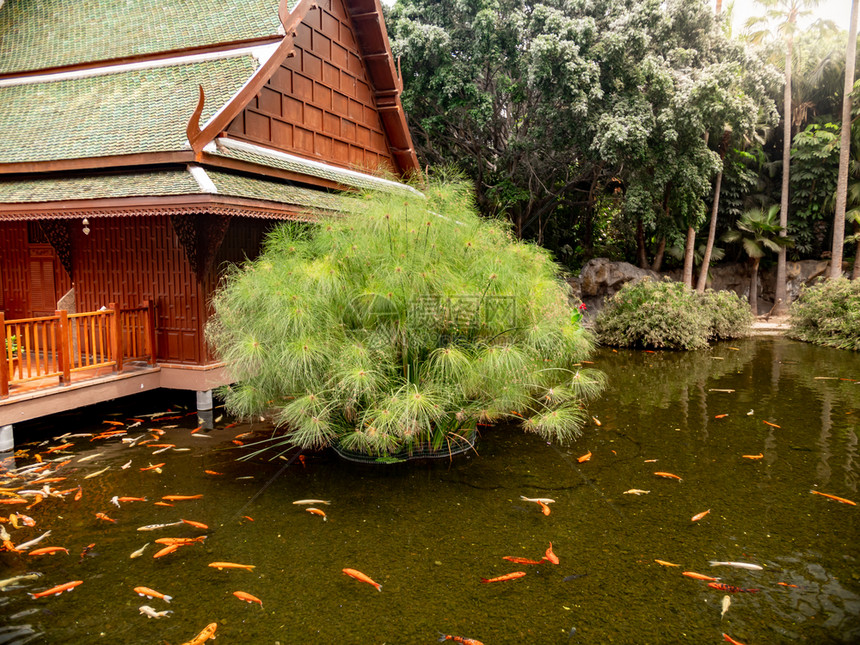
point(689, 256)
point(780, 305)
point(844, 150)
point(641, 257)
point(754, 287)
point(712, 230)
point(855, 273)
point(658, 256)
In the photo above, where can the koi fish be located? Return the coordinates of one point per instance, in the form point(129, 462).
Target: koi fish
point(169, 540)
point(154, 527)
point(785, 584)
point(543, 500)
point(317, 511)
point(26, 545)
point(180, 498)
point(544, 508)
point(584, 457)
point(61, 447)
point(650, 461)
point(49, 550)
point(311, 501)
point(248, 517)
point(699, 516)
point(516, 560)
point(758, 456)
point(737, 565)
point(161, 504)
point(772, 425)
point(550, 556)
point(241, 595)
point(666, 564)
point(731, 640)
point(114, 423)
point(212, 472)
point(139, 552)
point(104, 517)
point(87, 549)
point(697, 576)
point(721, 416)
point(596, 421)
point(507, 576)
point(838, 499)
point(97, 473)
point(636, 491)
point(207, 633)
point(130, 499)
point(126, 465)
point(56, 591)
point(151, 467)
point(152, 593)
point(727, 601)
point(149, 612)
point(166, 550)
point(667, 475)
point(719, 586)
point(165, 449)
point(231, 565)
point(358, 575)
point(458, 639)
point(197, 525)
point(88, 457)
point(11, 581)
point(79, 494)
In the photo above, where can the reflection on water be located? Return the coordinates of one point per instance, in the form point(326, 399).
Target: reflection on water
point(429, 532)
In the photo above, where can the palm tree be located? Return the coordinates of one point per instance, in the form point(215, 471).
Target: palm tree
point(844, 150)
point(758, 231)
point(785, 14)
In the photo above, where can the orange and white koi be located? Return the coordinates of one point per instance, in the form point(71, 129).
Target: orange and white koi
point(241, 595)
point(838, 499)
point(507, 576)
point(699, 516)
point(317, 511)
point(196, 525)
point(358, 575)
point(149, 612)
point(104, 517)
point(231, 565)
point(698, 576)
point(49, 550)
point(667, 475)
point(56, 591)
point(152, 593)
point(550, 556)
point(207, 633)
point(584, 457)
point(458, 639)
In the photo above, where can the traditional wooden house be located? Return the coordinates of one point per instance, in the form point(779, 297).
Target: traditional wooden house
point(143, 145)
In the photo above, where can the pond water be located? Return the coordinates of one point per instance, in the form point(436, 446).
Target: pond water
point(429, 532)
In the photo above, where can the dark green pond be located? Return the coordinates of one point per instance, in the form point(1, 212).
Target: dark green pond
point(429, 532)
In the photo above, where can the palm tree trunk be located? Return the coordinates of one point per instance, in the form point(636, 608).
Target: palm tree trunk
point(855, 274)
point(844, 150)
point(689, 252)
point(754, 287)
point(712, 230)
point(658, 255)
point(780, 306)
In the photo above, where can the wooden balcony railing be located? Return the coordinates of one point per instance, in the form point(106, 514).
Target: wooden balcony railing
point(55, 346)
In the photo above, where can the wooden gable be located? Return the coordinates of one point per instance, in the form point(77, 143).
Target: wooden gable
point(320, 103)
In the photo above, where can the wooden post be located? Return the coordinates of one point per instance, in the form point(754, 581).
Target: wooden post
point(64, 351)
point(149, 330)
point(4, 363)
point(116, 338)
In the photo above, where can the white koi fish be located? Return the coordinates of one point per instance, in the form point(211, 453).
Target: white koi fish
point(727, 601)
point(542, 500)
point(139, 552)
point(126, 465)
point(636, 491)
point(155, 527)
point(88, 457)
point(11, 581)
point(160, 450)
point(148, 611)
point(26, 545)
point(310, 501)
point(115, 500)
point(97, 473)
point(737, 565)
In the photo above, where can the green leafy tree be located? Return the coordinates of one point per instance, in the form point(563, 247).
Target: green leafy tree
point(758, 231)
point(814, 167)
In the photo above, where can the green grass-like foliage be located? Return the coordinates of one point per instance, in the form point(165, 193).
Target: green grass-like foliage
point(667, 315)
point(828, 313)
point(409, 321)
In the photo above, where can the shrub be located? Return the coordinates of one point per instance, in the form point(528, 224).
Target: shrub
point(828, 313)
point(666, 314)
point(408, 321)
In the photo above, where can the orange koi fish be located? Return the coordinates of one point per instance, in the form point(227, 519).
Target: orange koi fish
point(772, 425)
point(596, 421)
point(170, 540)
point(152, 593)
point(212, 472)
point(151, 467)
point(49, 550)
point(699, 516)
point(584, 457)
point(544, 508)
point(785, 584)
point(516, 560)
point(507, 576)
point(104, 517)
point(729, 588)
point(667, 475)
point(86, 550)
point(698, 576)
point(358, 575)
point(167, 550)
point(161, 504)
point(197, 429)
point(317, 511)
point(49, 480)
point(720, 416)
point(114, 423)
point(758, 456)
point(550, 556)
point(79, 494)
point(19, 500)
point(56, 591)
point(666, 564)
point(458, 639)
point(230, 425)
point(197, 525)
point(180, 498)
point(838, 499)
point(207, 633)
point(131, 499)
point(231, 565)
point(731, 640)
point(247, 517)
point(241, 595)
point(58, 448)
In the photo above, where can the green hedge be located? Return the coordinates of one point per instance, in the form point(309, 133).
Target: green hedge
point(667, 315)
point(828, 313)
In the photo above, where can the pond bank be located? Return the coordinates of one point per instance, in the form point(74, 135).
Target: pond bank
point(770, 326)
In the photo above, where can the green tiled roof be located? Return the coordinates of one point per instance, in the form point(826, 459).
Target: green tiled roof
point(136, 111)
point(274, 191)
point(35, 34)
point(139, 184)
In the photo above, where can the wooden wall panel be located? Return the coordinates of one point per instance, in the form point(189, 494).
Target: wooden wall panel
point(319, 104)
point(14, 263)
